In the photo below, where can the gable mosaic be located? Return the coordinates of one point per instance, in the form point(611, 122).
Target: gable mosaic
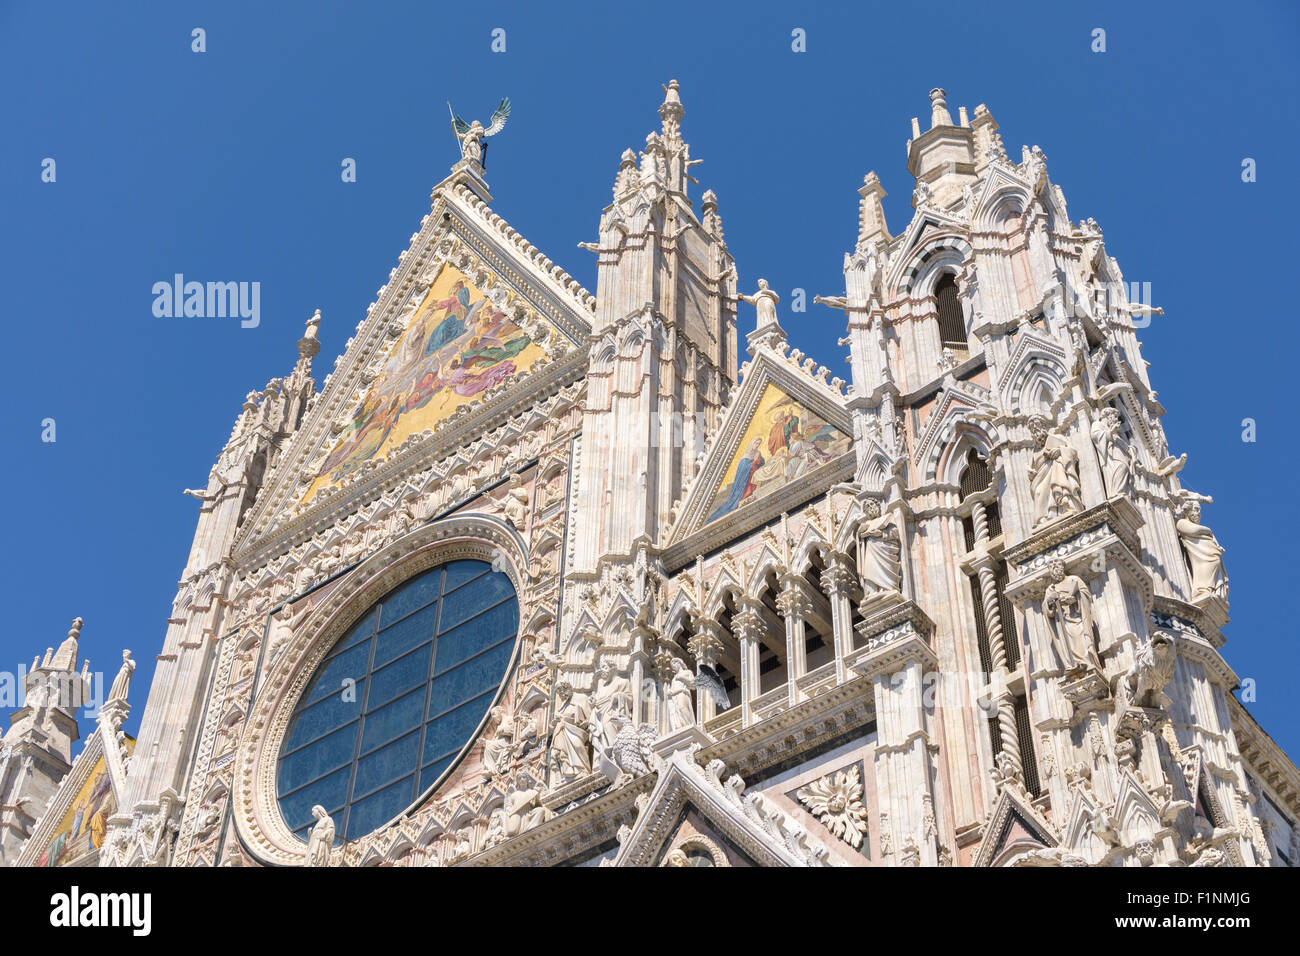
point(783, 442)
point(458, 345)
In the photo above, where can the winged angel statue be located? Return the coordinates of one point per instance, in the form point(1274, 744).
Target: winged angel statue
point(471, 135)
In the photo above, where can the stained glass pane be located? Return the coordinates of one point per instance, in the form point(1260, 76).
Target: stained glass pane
point(366, 750)
point(408, 633)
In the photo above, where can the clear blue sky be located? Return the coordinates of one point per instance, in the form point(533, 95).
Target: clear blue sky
point(225, 166)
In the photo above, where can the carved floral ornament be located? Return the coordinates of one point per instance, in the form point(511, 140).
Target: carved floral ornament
point(256, 806)
point(836, 800)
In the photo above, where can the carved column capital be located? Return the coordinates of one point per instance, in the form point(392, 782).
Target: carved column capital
point(838, 578)
point(706, 643)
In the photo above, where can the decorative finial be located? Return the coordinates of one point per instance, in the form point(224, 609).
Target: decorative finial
point(939, 115)
point(74, 633)
point(671, 97)
point(470, 136)
point(671, 113)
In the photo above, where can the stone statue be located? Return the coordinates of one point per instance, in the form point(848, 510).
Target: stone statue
point(496, 831)
point(1204, 554)
point(613, 697)
point(681, 697)
point(1117, 455)
point(122, 682)
point(611, 700)
point(630, 752)
point(470, 136)
point(525, 735)
point(515, 503)
point(461, 848)
point(1053, 474)
point(879, 555)
point(1151, 672)
point(497, 751)
point(321, 839)
point(281, 632)
point(764, 300)
point(1068, 605)
point(523, 808)
point(570, 755)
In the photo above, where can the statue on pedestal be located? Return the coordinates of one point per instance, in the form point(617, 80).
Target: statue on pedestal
point(1068, 605)
point(470, 136)
point(879, 557)
point(1053, 474)
point(122, 682)
point(764, 300)
point(321, 839)
point(1116, 454)
point(570, 755)
point(1204, 554)
point(681, 697)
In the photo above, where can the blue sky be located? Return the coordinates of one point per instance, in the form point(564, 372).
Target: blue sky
point(225, 166)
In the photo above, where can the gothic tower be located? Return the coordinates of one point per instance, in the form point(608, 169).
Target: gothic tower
point(156, 779)
point(663, 345)
point(1004, 416)
point(36, 752)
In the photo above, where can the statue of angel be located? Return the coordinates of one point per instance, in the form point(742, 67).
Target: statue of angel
point(470, 135)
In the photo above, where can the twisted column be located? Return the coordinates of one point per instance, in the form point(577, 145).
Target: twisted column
point(997, 641)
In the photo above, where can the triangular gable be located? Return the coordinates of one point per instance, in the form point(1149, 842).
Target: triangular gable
point(473, 320)
point(1014, 823)
point(751, 825)
point(457, 345)
point(73, 824)
point(784, 440)
point(929, 227)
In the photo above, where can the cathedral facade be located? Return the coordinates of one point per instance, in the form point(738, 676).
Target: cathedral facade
point(544, 577)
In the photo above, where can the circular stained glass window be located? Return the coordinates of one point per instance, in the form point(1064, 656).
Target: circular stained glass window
point(397, 698)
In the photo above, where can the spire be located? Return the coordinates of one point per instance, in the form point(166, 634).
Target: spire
point(709, 217)
point(671, 113)
point(943, 157)
point(668, 156)
point(988, 141)
point(626, 181)
point(871, 213)
point(939, 115)
point(65, 658)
